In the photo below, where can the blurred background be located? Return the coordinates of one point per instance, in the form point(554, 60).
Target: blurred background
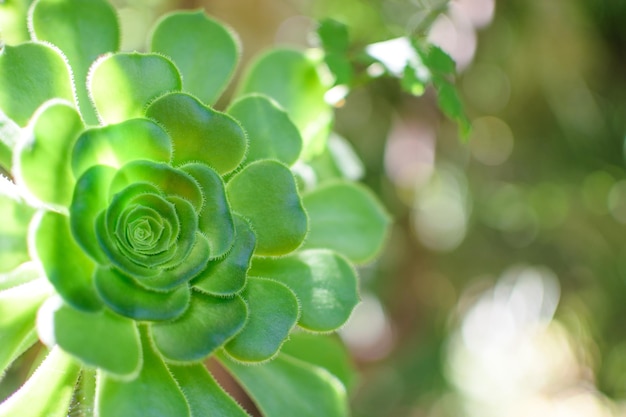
point(502, 290)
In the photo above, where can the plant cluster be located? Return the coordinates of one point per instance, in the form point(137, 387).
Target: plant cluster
point(145, 231)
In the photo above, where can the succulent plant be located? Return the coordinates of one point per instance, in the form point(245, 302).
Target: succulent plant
point(144, 231)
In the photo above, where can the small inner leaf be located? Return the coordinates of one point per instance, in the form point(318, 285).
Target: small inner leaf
point(123, 84)
point(204, 50)
point(273, 311)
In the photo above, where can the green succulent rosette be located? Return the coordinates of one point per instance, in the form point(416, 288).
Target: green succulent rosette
point(144, 231)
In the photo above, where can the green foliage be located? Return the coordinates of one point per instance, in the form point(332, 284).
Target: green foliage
point(145, 231)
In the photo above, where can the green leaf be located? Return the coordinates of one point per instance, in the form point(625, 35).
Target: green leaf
point(215, 220)
point(124, 296)
point(294, 81)
point(450, 103)
point(67, 267)
point(347, 218)
point(334, 35)
point(10, 134)
point(265, 193)
point(204, 395)
point(44, 158)
point(83, 30)
point(271, 132)
point(18, 311)
point(324, 283)
point(290, 387)
point(26, 272)
point(48, 392)
point(273, 312)
point(31, 74)
point(90, 198)
point(208, 323)
point(115, 145)
point(16, 217)
point(123, 84)
point(205, 52)
point(326, 351)
point(199, 133)
point(437, 60)
point(227, 276)
point(154, 393)
point(102, 339)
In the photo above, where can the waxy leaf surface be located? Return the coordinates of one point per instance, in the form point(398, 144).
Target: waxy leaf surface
point(83, 30)
point(205, 52)
point(16, 215)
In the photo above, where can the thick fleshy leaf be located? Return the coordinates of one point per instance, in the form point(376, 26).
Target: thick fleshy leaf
point(44, 158)
point(48, 391)
point(67, 267)
point(326, 351)
point(31, 74)
point(347, 218)
point(16, 216)
point(271, 133)
point(294, 81)
point(83, 30)
point(215, 220)
point(207, 324)
point(199, 133)
point(227, 276)
point(324, 282)
point(90, 198)
point(273, 312)
point(154, 393)
point(115, 145)
point(10, 134)
point(204, 396)
point(123, 84)
point(26, 272)
point(205, 52)
point(103, 339)
point(18, 311)
point(265, 193)
point(124, 296)
point(289, 387)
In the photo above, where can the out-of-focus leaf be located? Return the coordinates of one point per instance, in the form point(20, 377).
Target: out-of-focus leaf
point(83, 30)
point(16, 217)
point(200, 133)
point(123, 84)
point(26, 272)
point(101, 339)
point(48, 392)
point(265, 193)
point(450, 103)
point(347, 218)
point(271, 133)
point(67, 267)
point(324, 283)
point(154, 393)
point(10, 134)
point(334, 35)
point(273, 311)
point(204, 396)
point(205, 52)
point(31, 74)
point(44, 160)
point(206, 325)
point(287, 386)
point(18, 311)
point(437, 60)
point(294, 81)
point(326, 351)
